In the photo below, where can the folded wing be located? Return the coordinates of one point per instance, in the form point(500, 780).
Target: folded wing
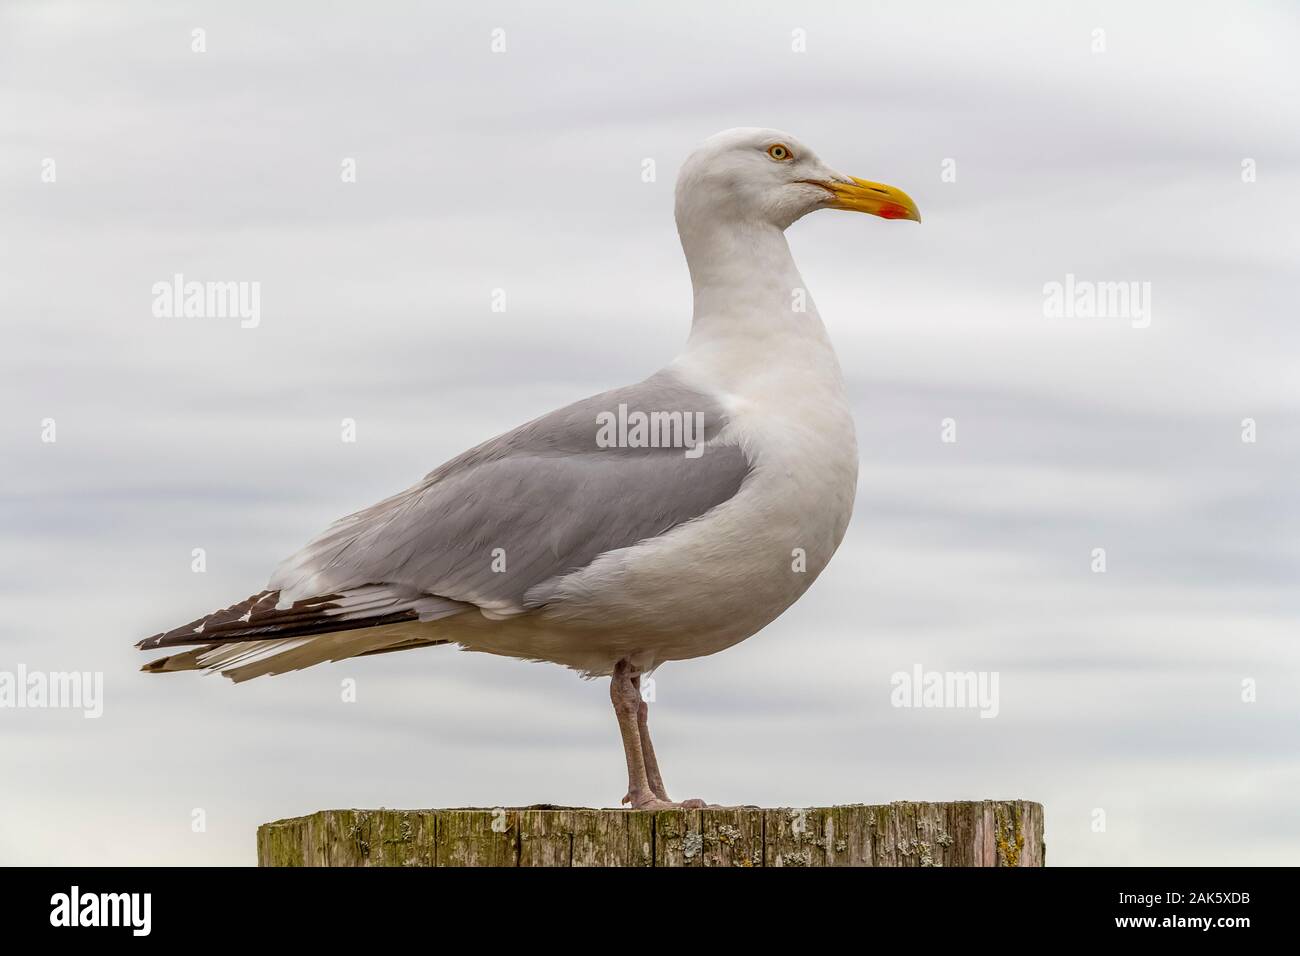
point(494, 525)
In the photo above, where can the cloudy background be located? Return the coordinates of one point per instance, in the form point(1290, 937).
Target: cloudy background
point(1120, 691)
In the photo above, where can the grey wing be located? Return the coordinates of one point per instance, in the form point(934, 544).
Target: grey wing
point(529, 506)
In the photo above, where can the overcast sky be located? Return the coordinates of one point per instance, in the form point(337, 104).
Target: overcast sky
point(522, 170)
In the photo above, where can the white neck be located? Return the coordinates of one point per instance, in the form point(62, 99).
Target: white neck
point(748, 301)
point(742, 274)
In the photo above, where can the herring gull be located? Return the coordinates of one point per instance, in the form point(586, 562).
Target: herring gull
point(656, 522)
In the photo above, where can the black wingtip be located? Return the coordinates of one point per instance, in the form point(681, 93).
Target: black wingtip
point(257, 619)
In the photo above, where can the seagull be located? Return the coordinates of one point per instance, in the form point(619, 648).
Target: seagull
point(661, 521)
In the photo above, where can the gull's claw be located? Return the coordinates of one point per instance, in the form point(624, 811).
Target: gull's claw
point(652, 802)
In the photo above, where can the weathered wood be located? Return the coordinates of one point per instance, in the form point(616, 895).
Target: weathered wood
point(966, 833)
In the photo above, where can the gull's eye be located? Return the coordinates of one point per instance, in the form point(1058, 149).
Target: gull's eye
point(779, 152)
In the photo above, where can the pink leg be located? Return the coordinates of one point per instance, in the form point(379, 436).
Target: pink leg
point(647, 748)
point(645, 787)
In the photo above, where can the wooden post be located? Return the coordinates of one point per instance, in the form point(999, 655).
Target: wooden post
point(966, 833)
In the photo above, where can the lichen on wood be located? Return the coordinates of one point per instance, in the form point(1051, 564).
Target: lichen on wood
point(996, 833)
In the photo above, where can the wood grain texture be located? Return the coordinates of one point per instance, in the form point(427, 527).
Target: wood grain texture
point(965, 833)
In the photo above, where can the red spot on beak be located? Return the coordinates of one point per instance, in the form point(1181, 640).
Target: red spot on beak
point(890, 211)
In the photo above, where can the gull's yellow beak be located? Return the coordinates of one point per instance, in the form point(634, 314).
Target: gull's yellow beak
point(878, 199)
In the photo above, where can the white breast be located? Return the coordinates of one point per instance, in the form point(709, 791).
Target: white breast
point(720, 578)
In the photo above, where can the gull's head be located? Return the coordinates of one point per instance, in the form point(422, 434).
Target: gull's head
point(751, 175)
